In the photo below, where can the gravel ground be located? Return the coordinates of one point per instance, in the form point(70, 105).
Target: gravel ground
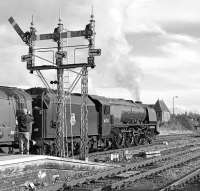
point(153, 183)
point(144, 184)
point(157, 181)
point(191, 187)
point(172, 147)
point(46, 177)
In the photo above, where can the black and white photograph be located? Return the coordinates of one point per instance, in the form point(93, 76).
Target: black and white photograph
point(99, 95)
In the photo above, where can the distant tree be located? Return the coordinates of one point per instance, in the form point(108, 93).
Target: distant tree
point(188, 120)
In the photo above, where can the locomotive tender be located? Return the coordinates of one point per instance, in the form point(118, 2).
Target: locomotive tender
point(112, 123)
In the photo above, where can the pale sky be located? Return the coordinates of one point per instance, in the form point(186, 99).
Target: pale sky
point(150, 48)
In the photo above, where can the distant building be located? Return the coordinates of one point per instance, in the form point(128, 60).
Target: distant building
point(162, 111)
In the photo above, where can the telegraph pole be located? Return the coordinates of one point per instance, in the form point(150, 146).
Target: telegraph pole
point(173, 104)
point(58, 35)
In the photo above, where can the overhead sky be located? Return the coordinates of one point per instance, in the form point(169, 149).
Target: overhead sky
point(150, 48)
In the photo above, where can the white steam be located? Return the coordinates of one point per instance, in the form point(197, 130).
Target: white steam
point(115, 68)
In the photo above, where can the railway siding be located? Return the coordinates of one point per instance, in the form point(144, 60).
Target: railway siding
point(191, 177)
point(68, 177)
point(163, 143)
point(154, 171)
point(129, 167)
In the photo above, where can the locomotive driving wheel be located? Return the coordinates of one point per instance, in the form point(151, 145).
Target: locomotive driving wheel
point(128, 140)
point(120, 141)
point(136, 139)
point(149, 137)
point(118, 138)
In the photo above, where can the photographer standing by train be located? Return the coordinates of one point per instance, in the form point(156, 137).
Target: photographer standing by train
point(25, 120)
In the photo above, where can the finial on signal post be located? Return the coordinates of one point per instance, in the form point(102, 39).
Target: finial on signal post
point(92, 27)
point(32, 21)
point(92, 12)
point(59, 16)
point(32, 28)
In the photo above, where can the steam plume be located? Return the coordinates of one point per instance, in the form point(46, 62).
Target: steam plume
point(116, 68)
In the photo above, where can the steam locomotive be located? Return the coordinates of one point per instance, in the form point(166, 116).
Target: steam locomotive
point(112, 123)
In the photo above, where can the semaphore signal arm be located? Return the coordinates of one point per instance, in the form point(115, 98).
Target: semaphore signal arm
point(30, 36)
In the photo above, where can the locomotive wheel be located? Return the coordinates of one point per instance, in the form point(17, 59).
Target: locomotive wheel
point(136, 140)
point(128, 141)
point(117, 138)
point(145, 140)
point(119, 141)
point(148, 139)
point(142, 141)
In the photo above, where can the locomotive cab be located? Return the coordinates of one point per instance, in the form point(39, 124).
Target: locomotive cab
point(152, 119)
point(103, 108)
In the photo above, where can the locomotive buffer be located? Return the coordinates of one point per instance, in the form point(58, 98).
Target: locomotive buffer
point(29, 39)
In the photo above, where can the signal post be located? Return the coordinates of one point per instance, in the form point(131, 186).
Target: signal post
point(29, 38)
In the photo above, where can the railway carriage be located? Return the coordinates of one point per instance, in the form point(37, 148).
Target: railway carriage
point(12, 101)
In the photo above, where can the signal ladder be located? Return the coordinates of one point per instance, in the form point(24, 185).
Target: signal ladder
point(67, 103)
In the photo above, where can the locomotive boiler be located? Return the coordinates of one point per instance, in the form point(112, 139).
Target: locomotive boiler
point(132, 123)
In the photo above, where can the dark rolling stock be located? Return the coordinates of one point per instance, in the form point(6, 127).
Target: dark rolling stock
point(44, 113)
point(12, 101)
point(112, 123)
point(132, 123)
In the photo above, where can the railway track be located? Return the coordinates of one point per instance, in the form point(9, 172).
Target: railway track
point(189, 178)
point(112, 179)
point(97, 156)
point(172, 179)
point(91, 179)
